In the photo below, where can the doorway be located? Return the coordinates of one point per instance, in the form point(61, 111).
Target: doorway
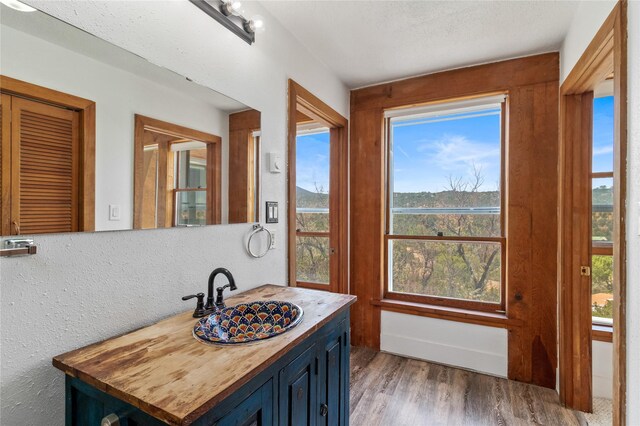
point(317, 209)
point(592, 216)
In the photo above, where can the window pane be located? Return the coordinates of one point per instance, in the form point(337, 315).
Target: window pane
point(312, 181)
point(602, 289)
point(602, 210)
point(458, 270)
point(191, 208)
point(445, 174)
point(603, 134)
point(312, 259)
point(193, 168)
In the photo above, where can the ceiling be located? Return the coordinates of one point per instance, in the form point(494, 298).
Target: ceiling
point(368, 42)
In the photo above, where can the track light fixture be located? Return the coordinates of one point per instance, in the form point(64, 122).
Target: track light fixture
point(229, 14)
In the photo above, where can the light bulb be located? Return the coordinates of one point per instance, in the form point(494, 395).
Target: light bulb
point(18, 5)
point(256, 24)
point(232, 7)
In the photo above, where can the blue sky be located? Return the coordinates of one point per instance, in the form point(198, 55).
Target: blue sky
point(312, 161)
point(429, 151)
point(603, 134)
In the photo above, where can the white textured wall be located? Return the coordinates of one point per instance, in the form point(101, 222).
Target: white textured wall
point(586, 23)
point(119, 95)
point(470, 346)
point(633, 218)
point(81, 288)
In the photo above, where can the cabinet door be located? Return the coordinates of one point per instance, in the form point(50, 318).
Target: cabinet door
point(256, 410)
point(333, 382)
point(297, 390)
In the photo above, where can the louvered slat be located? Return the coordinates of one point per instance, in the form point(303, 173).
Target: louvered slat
point(48, 183)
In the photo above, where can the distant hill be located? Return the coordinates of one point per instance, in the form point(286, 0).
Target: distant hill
point(306, 198)
point(602, 195)
point(446, 199)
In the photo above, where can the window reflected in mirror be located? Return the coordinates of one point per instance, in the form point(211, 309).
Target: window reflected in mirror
point(177, 175)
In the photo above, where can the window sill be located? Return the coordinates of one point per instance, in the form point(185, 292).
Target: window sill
point(602, 333)
point(449, 314)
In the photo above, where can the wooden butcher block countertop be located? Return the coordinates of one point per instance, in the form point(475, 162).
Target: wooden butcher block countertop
point(164, 371)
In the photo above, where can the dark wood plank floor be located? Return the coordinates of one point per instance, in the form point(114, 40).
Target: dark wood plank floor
point(392, 390)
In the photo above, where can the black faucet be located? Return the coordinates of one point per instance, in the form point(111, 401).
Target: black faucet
point(204, 310)
point(219, 303)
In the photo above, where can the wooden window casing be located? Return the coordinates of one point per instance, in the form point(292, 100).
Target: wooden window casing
point(57, 193)
point(165, 204)
point(303, 103)
point(531, 197)
point(447, 301)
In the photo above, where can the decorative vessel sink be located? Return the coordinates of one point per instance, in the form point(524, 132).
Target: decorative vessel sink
point(248, 322)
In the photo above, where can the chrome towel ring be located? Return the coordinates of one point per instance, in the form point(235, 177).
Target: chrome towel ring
point(257, 228)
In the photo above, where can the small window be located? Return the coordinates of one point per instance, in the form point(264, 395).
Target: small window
point(445, 241)
point(312, 204)
point(602, 212)
point(191, 183)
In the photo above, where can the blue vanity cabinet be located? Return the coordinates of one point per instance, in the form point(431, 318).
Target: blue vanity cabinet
point(333, 377)
point(87, 406)
point(306, 385)
point(298, 390)
point(256, 409)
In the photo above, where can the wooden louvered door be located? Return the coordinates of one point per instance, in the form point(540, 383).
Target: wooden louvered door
point(44, 187)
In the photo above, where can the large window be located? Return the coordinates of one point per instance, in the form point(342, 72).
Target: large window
point(445, 242)
point(602, 212)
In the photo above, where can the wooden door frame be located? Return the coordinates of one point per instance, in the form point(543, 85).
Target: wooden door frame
point(301, 100)
point(214, 164)
point(87, 113)
point(605, 55)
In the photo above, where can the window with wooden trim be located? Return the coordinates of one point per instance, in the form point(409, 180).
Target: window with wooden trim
point(313, 163)
point(445, 241)
point(602, 212)
point(177, 175)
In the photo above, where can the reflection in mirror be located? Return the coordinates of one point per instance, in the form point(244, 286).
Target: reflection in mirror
point(101, 139)
point(177, 176)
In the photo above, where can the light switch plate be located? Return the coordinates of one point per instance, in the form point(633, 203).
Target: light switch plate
point(271, 212)
point(114, 212)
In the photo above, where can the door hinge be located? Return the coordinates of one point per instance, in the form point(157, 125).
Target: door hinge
point(585, 271)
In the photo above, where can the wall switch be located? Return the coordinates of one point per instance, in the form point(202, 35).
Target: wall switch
point(272, 212)
point(273, 240)
point(114, 212)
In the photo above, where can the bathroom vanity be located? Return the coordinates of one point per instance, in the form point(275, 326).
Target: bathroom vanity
point(162, 375)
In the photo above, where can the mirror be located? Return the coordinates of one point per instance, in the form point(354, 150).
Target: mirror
point(97, 138)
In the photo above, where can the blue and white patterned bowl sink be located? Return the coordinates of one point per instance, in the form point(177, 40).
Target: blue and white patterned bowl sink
point(248, 322)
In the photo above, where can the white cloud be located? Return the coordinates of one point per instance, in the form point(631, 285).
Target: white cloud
point(453, 152)
point(603, 150)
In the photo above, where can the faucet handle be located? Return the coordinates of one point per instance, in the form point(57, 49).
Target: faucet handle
point(199, 311)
